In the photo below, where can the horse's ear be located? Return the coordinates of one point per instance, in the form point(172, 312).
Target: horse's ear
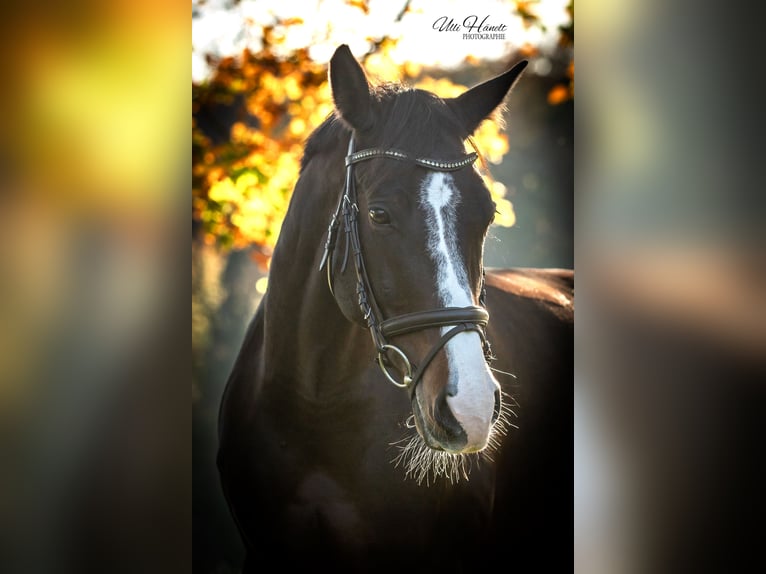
point(475, 105)
point(350, 89)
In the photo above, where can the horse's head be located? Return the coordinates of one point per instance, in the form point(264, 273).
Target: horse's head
point(421, 233)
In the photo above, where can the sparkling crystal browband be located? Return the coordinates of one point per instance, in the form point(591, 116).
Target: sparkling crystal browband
point(402, 156)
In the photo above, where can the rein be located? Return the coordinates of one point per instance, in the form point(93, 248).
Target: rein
point(461, 319)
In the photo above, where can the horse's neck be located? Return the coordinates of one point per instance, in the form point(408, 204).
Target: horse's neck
point(306, 335)
point(307, 339)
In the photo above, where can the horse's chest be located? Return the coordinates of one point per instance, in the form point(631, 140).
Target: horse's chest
point(327, 475)
point(359, 520)
point(322, 508)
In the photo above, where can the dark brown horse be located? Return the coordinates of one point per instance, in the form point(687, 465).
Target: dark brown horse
point(400, 408)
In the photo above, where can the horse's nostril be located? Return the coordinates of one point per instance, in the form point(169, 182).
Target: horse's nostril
point(446, 420)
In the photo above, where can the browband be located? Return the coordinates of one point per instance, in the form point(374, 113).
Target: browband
point(371, 153)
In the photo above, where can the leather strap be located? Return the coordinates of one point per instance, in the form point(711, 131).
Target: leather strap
point(461, 328)
point(420, 320)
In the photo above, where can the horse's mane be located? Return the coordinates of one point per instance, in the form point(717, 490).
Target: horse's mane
point(414, 120)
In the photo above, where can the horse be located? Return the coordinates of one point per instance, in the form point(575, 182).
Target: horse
point(394, 403)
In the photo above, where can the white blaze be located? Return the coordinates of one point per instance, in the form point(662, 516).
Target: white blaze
point(470, 383)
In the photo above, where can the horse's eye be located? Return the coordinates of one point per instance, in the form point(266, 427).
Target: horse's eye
point(379, 216)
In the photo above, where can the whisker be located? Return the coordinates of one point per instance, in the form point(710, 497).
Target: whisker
point(426, 466)
point(503, 372)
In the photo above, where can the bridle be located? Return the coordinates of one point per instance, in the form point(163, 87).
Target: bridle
point(461, 319)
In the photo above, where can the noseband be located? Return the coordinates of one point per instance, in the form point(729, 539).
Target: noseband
point(461, 319)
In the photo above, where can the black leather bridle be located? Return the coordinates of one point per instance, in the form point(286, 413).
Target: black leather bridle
point(460, 318)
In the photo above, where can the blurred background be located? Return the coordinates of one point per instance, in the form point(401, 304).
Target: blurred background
point(94, 372)
point(95, 441)
point(260, 87)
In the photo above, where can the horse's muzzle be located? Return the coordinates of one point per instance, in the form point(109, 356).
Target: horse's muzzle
point(439, 427)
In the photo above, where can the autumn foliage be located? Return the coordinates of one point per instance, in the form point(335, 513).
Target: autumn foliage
point(242, 184)
point(244, 169)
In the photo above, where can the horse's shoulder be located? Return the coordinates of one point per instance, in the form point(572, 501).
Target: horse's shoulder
point(552, 287)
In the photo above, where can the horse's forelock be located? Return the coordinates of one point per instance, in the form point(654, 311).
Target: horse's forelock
point(415, 121)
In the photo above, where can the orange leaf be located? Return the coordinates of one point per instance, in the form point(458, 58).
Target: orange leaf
point(558, 95)
point(261, 258)
point(361, 4)
point(527, 50)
